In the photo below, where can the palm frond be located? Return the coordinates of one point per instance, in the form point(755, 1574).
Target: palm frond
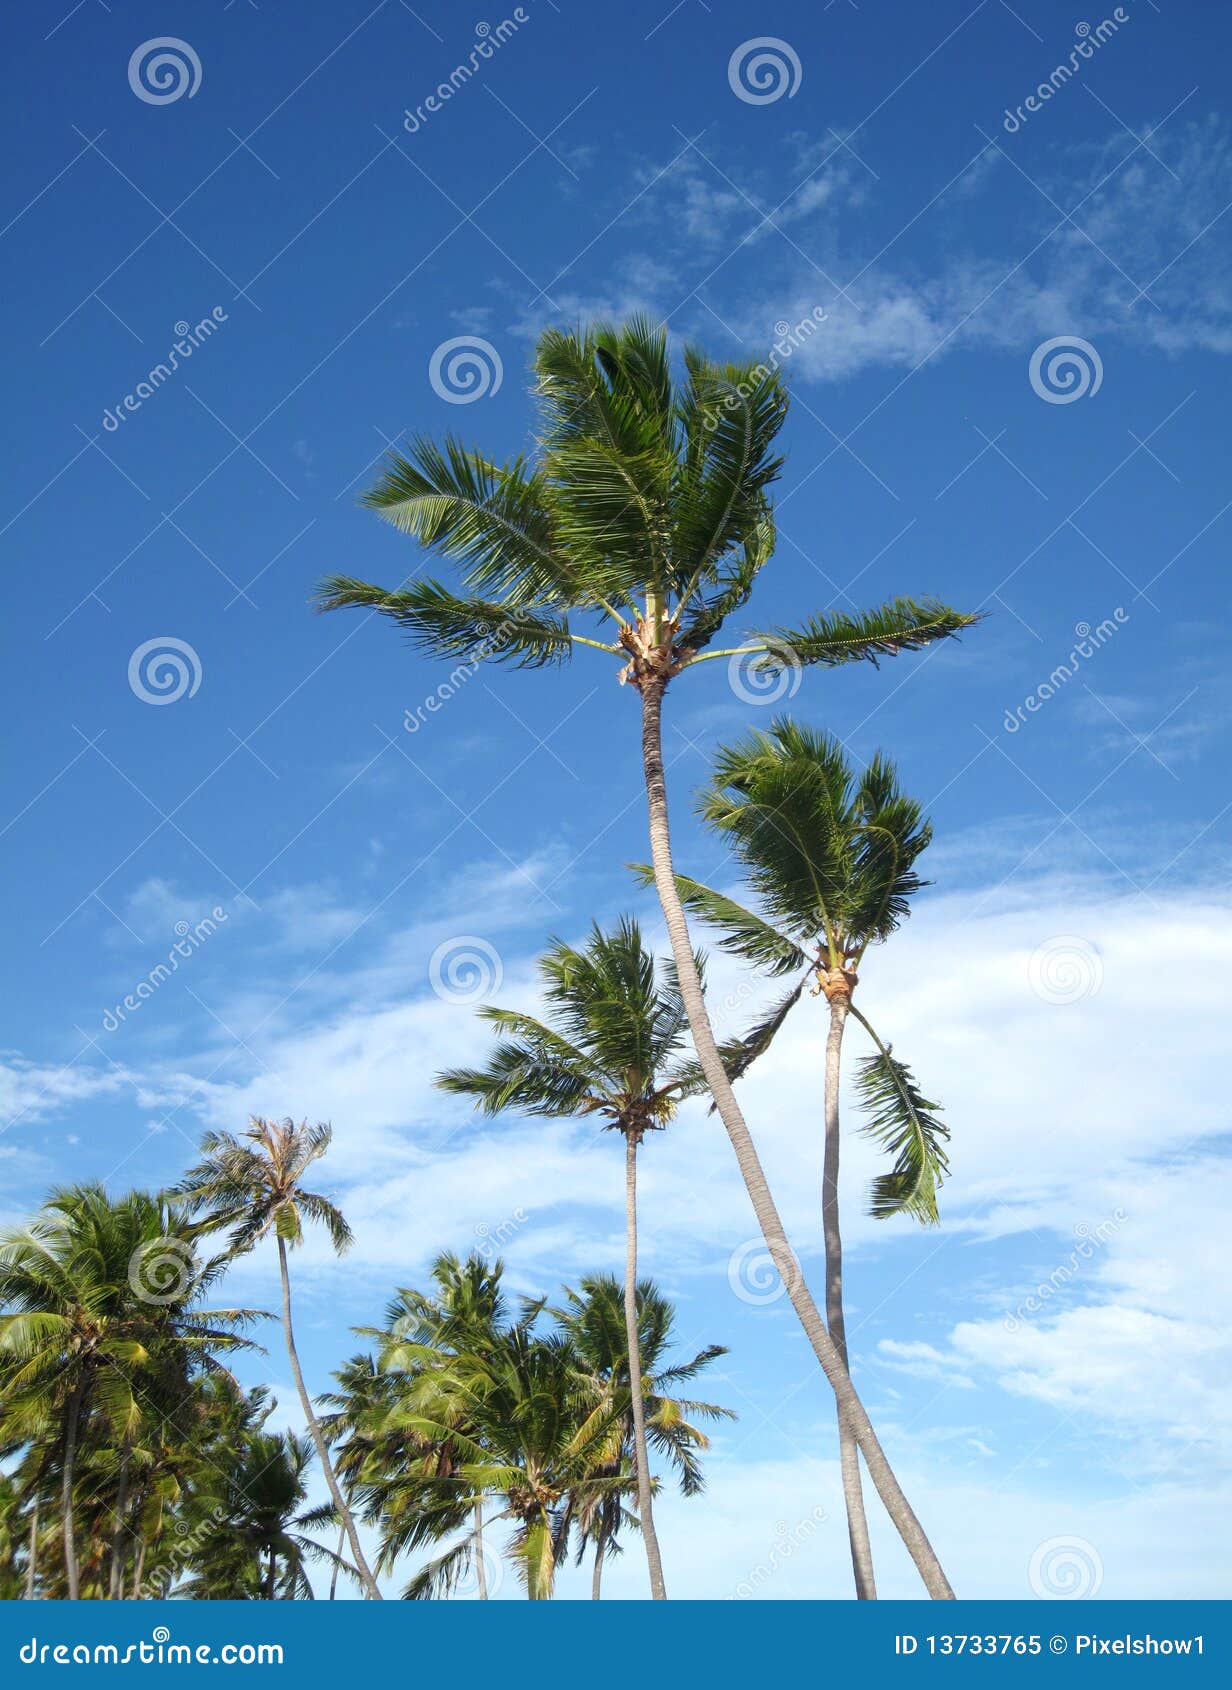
point(903, 1121)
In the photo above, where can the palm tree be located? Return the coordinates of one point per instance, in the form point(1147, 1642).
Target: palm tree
point(465, 1313)
point(610, 1049)
point(100, 1323)
point(253, 1185)
point(261, 1547)
point(595, 1319)
point(521, 1421)
point(831, 859)
point(647, 515)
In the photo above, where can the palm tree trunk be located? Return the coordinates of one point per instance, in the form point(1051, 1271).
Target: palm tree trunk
point(333, 1576)
point(850, 1407)
point(658, 1589)
point(71, 1423)
point(318, 1438)
point(849, 1454)
point(596, 1578)
point(481, 1572)
point(138, 1568)
point(271, 1570)
point(32, 1550)
point(119, 1538)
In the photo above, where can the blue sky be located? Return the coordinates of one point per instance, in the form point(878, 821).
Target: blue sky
point(1059, 985)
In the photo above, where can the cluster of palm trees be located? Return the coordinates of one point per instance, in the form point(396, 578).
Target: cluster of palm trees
point(138, 1467)
point(645, 520)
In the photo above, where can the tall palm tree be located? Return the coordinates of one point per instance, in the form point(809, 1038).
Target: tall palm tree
point(595, 1319)
point(101, 1320)
point(254, 1186)
point(831, 859)
point(648, 517)
point(610, 1049)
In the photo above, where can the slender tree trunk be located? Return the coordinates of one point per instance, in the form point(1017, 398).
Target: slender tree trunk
point(333, 1576)
point(119, 1538)
point(596, 1578)
point(271, 1574)
point(32, 1550)
point(658, 1589)
point(481, 1572)
point(72, 1421)
point(849, 1404)
point(138, 1568)
point(318, 1437)
point(849, 1454)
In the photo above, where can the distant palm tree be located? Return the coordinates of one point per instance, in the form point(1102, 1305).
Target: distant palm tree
point(262, 1545)
point(611, 1048)
point(595, 1319)
point(648, 515)
point(101, 1318)
point(520, 1421)
point(831, 858)
point(254, 1186)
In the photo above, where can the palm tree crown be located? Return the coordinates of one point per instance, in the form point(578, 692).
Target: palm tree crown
point(647, 509)
point(611, 1045)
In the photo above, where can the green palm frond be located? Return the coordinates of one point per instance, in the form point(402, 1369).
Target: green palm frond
point(904, 1123)
point(464, 629)
point(835, 637)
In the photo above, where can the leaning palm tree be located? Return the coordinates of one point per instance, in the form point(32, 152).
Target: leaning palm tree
point(647, 518)
point(595, 1319)
point(610, 1049)
point(254, 1186)
point(830, 857)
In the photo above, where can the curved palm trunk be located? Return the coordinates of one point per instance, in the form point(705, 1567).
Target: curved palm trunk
point(318, 1438)
point(851, 1409)
point(71, 1424)
point(658, 1589)
point(333, 1576)
point(481, 1572)
point(849, 1454)
point(139, 1568)
point(32, 1550)
point(596, 1578)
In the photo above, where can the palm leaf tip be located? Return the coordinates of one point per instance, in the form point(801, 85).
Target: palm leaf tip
point(904, 1122)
